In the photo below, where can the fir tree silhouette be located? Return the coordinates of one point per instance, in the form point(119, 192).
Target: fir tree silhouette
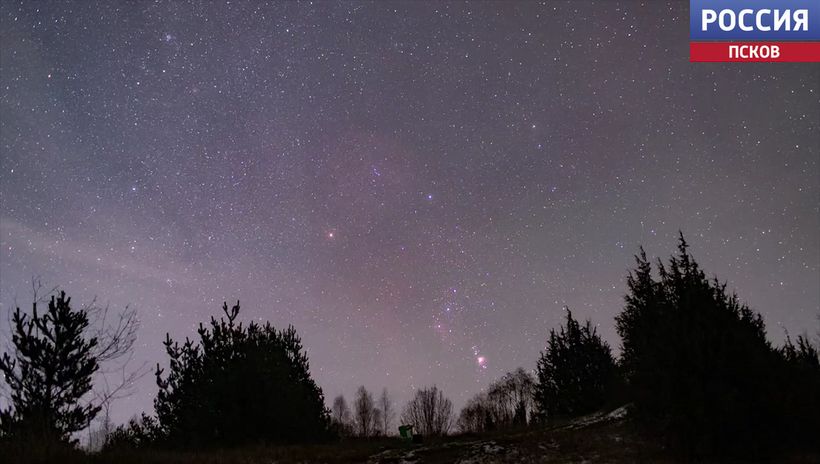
point(699, 368)
point(574, 373)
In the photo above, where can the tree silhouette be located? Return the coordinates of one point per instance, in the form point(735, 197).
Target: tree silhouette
point(385, 404)
point(506, 403)
point(341, 416)
point(377, 420)
point(797, 387)
point(429, 412)
point(477, 415)
point(364, 413)
point(49, 371)
point(511, 398)
point(699, 368)
point(140, 433)
point(803, 355)
point(575, 372)
point(239, 385)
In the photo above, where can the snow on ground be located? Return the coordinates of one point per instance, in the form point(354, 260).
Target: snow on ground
point(491, 452)
point(400, 456)
point(599, 418)
point(619, 413)
point(487, 452)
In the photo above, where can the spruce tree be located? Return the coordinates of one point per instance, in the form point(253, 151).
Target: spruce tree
point(575, 372)
point(699, 368)
point(797, 393)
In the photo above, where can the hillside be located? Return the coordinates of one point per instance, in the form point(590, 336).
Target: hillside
point(603, 437)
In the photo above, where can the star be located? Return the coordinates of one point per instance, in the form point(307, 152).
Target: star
point(382, 194)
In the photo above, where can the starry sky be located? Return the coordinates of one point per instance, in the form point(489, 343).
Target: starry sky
point(419, 187)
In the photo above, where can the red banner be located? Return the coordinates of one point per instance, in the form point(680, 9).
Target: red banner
point(739, 52)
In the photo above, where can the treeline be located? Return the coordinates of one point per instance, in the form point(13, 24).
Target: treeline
point(695, 369)
point(429, 412)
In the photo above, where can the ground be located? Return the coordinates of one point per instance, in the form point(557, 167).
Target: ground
point(605, 437)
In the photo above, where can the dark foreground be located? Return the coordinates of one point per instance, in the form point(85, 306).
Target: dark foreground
point(597, 438)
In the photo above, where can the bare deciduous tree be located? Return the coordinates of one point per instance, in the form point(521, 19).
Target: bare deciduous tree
point(511, 397)
point(377, 423)
point(97, 437)
point(507, 402)
point(476, 416)
point(363, 412)
point(429, 412)
point(386, 407)
point(341, 416)
point(340, 412)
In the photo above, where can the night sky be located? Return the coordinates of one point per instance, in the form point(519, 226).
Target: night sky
point(418, 187)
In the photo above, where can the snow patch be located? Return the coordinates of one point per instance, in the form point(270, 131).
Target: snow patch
point(393, 455)
point(619, 413)
point(487, 452)
point(600, 418)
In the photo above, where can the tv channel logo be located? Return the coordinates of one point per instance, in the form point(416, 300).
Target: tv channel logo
point(754, 30)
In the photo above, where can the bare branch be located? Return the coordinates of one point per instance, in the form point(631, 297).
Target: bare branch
point(116, 338)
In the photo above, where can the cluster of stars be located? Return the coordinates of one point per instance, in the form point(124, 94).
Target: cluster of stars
point(403, 182)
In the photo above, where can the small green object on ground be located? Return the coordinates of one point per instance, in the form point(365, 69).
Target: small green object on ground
point(406, 432)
